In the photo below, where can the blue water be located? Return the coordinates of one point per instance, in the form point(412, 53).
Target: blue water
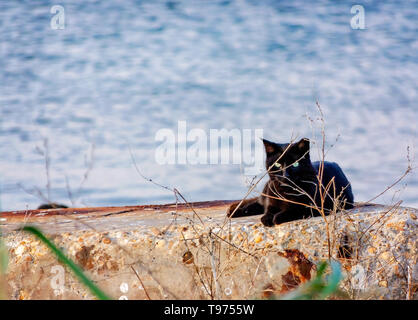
point(121, 71)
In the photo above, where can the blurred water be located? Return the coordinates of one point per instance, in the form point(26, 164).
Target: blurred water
point(120, 71)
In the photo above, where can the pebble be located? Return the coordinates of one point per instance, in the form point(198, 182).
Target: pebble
point(372, 250)
point(385, 255)
point(155, 231)
point(383, 283)
point(20, 250)
point(160, 244)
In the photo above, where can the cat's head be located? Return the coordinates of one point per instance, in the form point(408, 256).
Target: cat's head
point(287, 160)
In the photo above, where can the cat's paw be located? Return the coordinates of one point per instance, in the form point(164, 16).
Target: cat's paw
point(267, 220)
point(231, 210)
point(248, 207)
point(278, 219)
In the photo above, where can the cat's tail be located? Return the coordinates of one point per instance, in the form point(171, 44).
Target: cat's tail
point(248, 207)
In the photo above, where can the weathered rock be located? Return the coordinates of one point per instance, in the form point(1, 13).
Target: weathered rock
point(173, 252)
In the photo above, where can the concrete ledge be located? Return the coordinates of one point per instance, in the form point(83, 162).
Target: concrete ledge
point(175, 252)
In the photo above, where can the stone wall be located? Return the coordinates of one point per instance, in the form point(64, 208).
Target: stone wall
point(175, 252)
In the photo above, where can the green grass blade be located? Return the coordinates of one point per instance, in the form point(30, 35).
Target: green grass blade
point(317, 288)
point(74, 267)
point(322, 266)
point(4, 258)
point(332, 280)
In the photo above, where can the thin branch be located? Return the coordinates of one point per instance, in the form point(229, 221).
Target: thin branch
point(142, 284)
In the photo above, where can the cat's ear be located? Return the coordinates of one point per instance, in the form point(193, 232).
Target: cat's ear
point(271, 147)
point(303, 145)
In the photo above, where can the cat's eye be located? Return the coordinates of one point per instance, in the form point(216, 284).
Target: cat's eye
point(296, 164)
point(278, 165)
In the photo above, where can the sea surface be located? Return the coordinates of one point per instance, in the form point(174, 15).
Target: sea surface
point(92, 97)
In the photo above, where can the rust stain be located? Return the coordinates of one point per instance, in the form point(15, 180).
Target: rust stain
point(299, 271)
point(105, 262)
point(83, 257)
point(39, 213)
point(188, 257)
point(290, 281)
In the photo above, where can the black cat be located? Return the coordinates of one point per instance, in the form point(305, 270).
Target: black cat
point(51, 205)
point(293, 190)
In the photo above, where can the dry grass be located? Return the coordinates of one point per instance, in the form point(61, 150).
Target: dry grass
point(73, 196)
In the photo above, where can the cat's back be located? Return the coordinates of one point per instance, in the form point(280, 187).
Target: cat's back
point(332, 169)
